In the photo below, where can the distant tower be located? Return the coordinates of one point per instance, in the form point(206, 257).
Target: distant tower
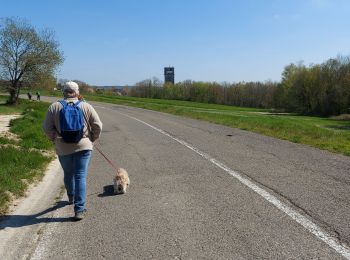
point(169, 75)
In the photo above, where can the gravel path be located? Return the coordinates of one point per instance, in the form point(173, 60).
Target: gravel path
point(5, 122)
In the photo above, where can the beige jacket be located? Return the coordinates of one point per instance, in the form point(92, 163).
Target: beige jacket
point(92, 128)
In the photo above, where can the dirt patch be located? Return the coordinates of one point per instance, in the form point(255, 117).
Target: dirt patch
point(5, 127)
point(345, 117)
point(273, 113)
point(5, 121)
point(10, 136)
point(10, 146)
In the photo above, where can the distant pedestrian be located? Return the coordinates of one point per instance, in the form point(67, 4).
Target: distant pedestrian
point(38, 96)
point(29, 94)
point(73, 148)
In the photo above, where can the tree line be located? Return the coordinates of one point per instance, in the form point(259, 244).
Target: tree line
point(317, 89)
point(248, 94)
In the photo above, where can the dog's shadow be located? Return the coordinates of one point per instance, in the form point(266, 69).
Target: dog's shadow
point(107, 191)
point(16, 221)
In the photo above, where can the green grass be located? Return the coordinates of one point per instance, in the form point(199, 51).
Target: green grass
point(29, 127)
point(323, 133)
point(22, 161)
point(19, 167)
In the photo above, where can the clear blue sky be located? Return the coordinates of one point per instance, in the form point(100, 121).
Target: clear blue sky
point(124, 41)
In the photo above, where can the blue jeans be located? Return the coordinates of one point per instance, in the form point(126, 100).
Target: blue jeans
point(75, 168)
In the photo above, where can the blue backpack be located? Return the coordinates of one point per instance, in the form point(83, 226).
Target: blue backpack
point(71, 122)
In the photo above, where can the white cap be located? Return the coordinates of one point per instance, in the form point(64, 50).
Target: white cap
point(71, 86)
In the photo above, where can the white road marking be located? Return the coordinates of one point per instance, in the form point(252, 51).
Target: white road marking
point(313, 228)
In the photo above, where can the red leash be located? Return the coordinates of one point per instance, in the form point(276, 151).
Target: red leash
point(105, 156)
point(99, 150)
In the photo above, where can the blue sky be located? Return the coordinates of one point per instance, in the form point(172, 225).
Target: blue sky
point(125, 41)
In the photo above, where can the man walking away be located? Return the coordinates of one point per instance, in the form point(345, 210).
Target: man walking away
point(73, 125)
point(38, 96)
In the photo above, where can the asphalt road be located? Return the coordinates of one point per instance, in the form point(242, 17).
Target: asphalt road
point(204, 191)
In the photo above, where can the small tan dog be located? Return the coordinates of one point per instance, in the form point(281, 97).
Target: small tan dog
point(121, 181)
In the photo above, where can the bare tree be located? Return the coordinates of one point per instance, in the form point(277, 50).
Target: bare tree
point(26, 54)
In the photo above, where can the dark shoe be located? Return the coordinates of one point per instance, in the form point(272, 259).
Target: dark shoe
point(80, 215)
point(70, 200)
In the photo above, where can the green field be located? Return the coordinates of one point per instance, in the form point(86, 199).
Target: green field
point(22, 161)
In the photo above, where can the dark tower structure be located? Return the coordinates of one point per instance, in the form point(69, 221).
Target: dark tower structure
point(169, 75)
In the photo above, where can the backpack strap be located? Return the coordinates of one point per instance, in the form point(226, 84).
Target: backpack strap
point(63, 102)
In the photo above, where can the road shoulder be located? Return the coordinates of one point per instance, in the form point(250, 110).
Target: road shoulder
point(21, 228)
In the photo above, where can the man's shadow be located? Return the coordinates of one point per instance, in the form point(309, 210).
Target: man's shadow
point(16, 221)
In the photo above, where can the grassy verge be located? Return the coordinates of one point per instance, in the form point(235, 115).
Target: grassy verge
point(22, 161)
point(324, 133)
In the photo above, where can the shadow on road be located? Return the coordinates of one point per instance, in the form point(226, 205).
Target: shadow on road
point(107, 191)
point(16, 221)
